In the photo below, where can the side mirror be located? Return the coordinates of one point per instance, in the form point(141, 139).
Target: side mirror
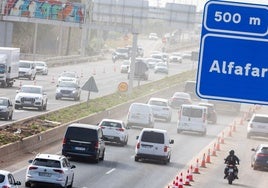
point(137, 137)
point(171, 141)
point(17, 91)
point(30, 161)
point(253, 149)
point(73, 166)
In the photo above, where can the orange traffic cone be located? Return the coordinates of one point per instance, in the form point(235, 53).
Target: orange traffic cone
point(208, 157)
point(222, 138)
point(214, 150)
point(203, 162)
point(187, 180)
point(191, 177)
point(196, 169)
point(218, 145)
point(53, 80)
point(180, 184)
point(230, 131)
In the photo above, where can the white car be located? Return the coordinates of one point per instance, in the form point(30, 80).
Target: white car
point(68, 76)
point(31, 96)
point(41, 67)
point(114, 131)
point(7, 180)
point(125, 66)
point(50, 169)
point(153, 36)
point(161, 108)
point(175, 57)
point(258, 126)
point(153, 144)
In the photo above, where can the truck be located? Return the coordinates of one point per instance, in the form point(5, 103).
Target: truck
point(9, 65)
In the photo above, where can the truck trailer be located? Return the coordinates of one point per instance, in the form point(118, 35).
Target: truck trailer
point(9, 65)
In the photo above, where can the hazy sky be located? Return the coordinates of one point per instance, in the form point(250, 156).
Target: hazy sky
point(200, 3)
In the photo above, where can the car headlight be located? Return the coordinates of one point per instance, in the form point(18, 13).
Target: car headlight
point(4, 110)
point(57, 90)
point(38, 98)
point(74, 91)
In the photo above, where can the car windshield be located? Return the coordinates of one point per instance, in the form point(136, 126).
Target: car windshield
point(3, 102)
point(40, 64)
point(68, 74)
point(2, 68)
point(36, 90)
point(68, 84)
point(47, 163)
point(260, 119)
point(122, 50)
point(24, 65)
point(182, 95)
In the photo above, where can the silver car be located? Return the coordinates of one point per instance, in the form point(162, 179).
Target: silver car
point(161, 108)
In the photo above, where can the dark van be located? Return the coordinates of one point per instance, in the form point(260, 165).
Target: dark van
point(84, 140)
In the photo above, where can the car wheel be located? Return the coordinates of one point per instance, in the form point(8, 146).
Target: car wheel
point(71, 185)
point(136, 158)
point(17, 106)
point(27, 184)
point(11, 115)
point(102, 157)
point(66, 184)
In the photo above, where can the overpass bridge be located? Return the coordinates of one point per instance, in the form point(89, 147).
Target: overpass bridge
point(111, 15)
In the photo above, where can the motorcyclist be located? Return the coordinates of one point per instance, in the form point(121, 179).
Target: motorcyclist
point(231, 159)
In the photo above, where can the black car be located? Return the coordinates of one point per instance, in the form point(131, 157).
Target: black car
point(259, 159)
point(84, 141)
point(68, 90)
point(6, 108)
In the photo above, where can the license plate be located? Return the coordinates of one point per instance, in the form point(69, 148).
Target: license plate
point(231, 170)
point(110, 137)
point(27, 102)
point(80, 148)
point(44, 174)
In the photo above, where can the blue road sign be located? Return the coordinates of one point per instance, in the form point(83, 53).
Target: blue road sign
point(233, 57)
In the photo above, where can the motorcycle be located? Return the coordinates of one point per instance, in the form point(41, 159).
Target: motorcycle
point(231, 173)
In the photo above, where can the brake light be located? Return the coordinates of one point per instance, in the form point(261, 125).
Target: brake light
point(165, 148)
point(5, 186)
point(102, 127)
point(138, 145)
point(262, 155)
point(59, 171)
point(64, 141)
point(121, 130)
point(33, 168)
point(97, 145)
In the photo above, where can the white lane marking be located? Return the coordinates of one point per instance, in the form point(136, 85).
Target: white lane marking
point(110, 171)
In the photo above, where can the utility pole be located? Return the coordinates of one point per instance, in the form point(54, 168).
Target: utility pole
point(133, 59)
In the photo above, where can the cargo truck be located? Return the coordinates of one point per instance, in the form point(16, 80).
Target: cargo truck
point(9, 66)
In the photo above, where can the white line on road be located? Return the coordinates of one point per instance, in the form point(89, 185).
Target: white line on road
point(110, 171)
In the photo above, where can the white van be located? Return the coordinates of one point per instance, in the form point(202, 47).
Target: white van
point(141, 115)
point(153, 144)
point(27, 69)
point(192, 118)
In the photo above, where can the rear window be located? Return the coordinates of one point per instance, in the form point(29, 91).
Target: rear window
point(139, 108)
point(264, 150)
point(192, 112)
point(153, 137)
point(2, 178)
point(158, 103)
point(81, 134)
point(111, 124)
point(47, 163)
point(260, 119)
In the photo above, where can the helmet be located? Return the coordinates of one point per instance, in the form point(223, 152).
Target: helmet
point(231, 152)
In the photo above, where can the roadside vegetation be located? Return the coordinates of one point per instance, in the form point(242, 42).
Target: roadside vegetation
point(18, 131)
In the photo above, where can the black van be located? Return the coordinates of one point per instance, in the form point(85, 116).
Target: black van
point(84, 140)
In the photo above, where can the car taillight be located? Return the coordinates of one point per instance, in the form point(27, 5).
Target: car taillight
point(96, 145)
point(5, 186)
point(64, 141)
point(262, 155)
point(138, 145)
point(33, 168)
point(102, 127)
point(59, 171)
point(121, 130)
point(165, 148)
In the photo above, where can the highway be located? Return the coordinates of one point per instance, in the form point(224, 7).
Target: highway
point(118, 168)
point(102, 71)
